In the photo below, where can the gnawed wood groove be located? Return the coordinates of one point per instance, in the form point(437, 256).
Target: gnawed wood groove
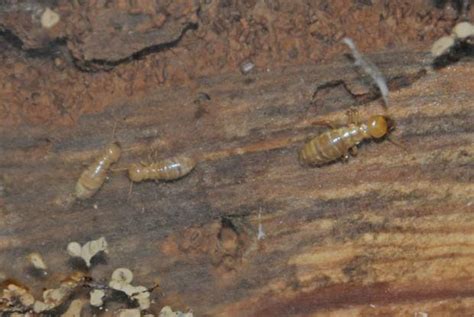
point(388, 232)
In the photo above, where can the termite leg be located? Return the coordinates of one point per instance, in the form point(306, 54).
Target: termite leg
point(152, 156)
point(353, 150)
point(130, 191)
point(113, 130)
point(120, 169)
point(353, 116)
point(330, 124)
point(345, 158)
point(397, 143)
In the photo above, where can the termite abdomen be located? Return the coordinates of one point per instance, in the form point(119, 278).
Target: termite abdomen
point(93, 177)
point(168, 169)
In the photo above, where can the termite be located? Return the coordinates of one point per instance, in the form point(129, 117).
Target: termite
point(337, 142)
point(167, 169)
point(93, 177)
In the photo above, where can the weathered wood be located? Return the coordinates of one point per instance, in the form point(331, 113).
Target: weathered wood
point(388, 232)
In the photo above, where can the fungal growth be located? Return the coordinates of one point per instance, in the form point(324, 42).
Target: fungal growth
point(120, 281)
point(92, 179)
point(88, 250)
point(53, 298)
point(68, 297)
point(461, 32)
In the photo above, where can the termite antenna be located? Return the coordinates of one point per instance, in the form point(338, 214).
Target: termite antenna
point(121, 169)
point(392, 125)
point(397, 143)
point(151, 289)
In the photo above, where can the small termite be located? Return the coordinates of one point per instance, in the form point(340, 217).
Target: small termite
point(336, 143)
point(93, 177)
point(168, 169)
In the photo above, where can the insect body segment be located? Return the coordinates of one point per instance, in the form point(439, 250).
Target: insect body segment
point(168, 169)
point(94, 176)
point(336, 143)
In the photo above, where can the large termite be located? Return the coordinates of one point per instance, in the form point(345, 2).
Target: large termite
point(337, 142)
point(93, 177)
point(167, 169)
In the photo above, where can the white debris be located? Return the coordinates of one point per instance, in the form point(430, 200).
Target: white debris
point(88, 250)
point(49, 18)
point(463, 30)
point(120, 281)
point(39, 307)
point(74, 309)
point(460, 32)
point(261, 234)
point(369, 68)
point(134, 312)
point(96, 297)
point(168, 312)
point(247, 66)
point(142, 296)
point(21, 315)
point(37, 261)
point(52, 298)
point(121, 276)
point(442, 45)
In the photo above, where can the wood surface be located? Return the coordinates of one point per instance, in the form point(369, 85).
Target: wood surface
point(390, 232)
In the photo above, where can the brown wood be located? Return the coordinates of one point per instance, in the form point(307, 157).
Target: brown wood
point(390, 232)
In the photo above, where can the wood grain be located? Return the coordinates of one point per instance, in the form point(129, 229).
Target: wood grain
point(389, 232)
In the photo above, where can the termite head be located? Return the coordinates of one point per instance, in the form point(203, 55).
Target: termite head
point(378, 126)
point(114, 151)
point(136, 172)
